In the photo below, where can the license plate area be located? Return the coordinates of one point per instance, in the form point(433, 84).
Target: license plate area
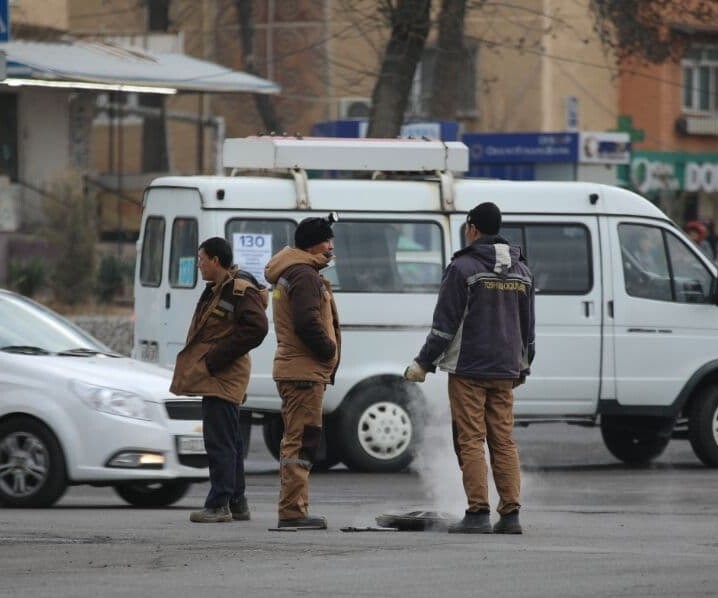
point(190, 445)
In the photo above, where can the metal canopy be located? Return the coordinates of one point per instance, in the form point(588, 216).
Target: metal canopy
point(87, 64)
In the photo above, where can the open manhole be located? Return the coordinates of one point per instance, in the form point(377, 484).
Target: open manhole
point(416, 521)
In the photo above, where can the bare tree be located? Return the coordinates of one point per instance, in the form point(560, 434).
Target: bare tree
point(652, 30)
point(450, 54)
point(410, 25)
point(266, 110)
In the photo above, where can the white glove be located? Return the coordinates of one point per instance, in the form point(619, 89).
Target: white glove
point(414, 373)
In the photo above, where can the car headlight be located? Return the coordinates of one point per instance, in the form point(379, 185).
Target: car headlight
point(112, 400)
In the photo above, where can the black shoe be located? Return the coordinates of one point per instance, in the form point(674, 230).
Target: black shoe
point(239, 508)
point(508, 524)
point(307, 522)
point(211, 515)
point(472, 523)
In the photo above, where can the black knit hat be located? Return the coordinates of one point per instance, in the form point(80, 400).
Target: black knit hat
point(312, 231)
point(486, 217)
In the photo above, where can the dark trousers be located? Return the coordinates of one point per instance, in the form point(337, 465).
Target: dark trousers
point(223, 442)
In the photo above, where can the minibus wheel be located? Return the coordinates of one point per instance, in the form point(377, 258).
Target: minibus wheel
point(380, 426)
point(636, 440)
point(32, 464)
point(703, 426)
point(273, 428)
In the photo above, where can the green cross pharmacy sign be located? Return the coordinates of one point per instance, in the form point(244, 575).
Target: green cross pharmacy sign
point(674, 171)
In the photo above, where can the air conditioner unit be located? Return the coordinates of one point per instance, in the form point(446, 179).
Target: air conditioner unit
point(696, 125)
point(354, 107)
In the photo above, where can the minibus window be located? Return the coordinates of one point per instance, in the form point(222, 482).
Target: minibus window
point(645, 264)
point(558, 254)
point(691, 279)
point(183, 253)
point(152, 250)
point(387, 257)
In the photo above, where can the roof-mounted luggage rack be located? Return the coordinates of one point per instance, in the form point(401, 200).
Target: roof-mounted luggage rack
point(299, 154)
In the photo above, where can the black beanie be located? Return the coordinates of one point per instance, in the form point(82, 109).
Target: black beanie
point(312, 231)
point(486, 217)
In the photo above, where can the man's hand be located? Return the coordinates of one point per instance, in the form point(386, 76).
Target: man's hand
point(415, 373)
point(519, 381)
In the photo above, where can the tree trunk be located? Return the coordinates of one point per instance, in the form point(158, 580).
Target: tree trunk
point(410, 24)
point(266, 110)
point(450, 57)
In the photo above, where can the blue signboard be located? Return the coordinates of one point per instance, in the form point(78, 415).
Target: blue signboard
point(4, 21)
point(521, 148)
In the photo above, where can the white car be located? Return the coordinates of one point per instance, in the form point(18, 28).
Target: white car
point(74, 412)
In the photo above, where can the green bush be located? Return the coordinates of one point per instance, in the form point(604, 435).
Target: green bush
point(72, 235)
point(27, 276)
point(110, 278)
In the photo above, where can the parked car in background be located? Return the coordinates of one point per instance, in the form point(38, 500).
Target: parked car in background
point(72, 411)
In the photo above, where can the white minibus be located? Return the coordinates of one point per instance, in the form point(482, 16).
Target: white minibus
point(626, 307)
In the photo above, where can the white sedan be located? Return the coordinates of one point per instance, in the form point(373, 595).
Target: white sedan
point(74, 412)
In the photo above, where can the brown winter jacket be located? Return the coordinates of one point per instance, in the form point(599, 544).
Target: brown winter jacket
point(228, 322)
point(305, 317)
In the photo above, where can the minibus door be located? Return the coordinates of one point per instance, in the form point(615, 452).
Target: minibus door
point(563, 253)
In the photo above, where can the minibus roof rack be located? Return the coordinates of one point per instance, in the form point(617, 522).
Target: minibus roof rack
point(333, 153)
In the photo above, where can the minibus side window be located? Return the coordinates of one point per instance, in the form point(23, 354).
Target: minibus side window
point(252, 253)
point(559, 255)
point(387, 257)
point(659, 265)
point(183, 253)
point(691, 280)
point(152, 250)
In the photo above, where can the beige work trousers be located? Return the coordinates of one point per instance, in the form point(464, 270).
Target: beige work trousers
point(302, 416)
point(482, 411)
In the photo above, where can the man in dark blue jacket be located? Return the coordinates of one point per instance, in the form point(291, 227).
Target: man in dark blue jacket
point(483, 335)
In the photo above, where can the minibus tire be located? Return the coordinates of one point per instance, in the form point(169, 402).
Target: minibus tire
point(636, 440)
point(703, 426)
point(14, 433)
point(149, 495)
point(368, 404)
point(272, 431)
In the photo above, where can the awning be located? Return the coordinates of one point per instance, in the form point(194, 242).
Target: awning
point(93, 65)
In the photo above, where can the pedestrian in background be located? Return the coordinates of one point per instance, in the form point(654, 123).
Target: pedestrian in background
point(698, 232)
point(308, 348)
point(229, 321)
point(483, 335)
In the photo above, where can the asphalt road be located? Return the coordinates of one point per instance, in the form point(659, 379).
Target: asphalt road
point(592, 527)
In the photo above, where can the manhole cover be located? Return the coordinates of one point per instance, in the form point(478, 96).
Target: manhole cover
point(415, 521)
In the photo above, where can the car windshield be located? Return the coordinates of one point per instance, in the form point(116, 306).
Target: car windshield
point(31, 328)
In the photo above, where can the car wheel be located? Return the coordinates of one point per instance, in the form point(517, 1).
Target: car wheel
point(32, 464)
point(636, 440)
point(153, 494)
point(703, 427)
point(273, 429)
point(380, 425)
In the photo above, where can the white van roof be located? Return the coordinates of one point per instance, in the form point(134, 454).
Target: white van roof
point(517, 197)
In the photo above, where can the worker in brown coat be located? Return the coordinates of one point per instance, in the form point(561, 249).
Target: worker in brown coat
point(308, 347)
point(228, 322)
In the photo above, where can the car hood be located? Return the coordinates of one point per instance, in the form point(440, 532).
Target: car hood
point(149, 381)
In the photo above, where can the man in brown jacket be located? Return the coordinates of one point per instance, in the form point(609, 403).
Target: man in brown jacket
point(228, 322)
point(307, 357)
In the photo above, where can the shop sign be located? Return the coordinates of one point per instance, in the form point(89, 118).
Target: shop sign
point(672, 171)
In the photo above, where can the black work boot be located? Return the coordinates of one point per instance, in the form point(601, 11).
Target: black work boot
point(508, 524)
point(308, 522)
point(239, 508)
point(474, 522)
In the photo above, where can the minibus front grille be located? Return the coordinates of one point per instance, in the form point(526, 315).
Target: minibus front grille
point(188, 410)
